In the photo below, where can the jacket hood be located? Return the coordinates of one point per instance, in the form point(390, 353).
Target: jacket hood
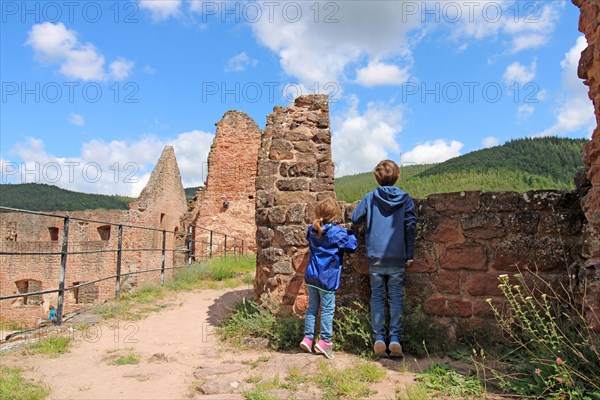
point(324, 229)
point(389, 197)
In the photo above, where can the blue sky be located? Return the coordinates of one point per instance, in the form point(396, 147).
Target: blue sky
point(93, 90)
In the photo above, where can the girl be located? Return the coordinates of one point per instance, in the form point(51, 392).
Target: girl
point(327, 242)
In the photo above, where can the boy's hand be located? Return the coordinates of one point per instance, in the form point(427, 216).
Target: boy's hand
point(409, 263)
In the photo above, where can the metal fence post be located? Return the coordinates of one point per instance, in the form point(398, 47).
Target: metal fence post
point(119, 256)
point(190, 245)
point(63, 269)
point(242, 247)
point(235, 248)
point(210, 245)
point(162, 264)
point(225, 250)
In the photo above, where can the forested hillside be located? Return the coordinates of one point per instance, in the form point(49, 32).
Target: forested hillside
point(518, 165)
point(42, 197)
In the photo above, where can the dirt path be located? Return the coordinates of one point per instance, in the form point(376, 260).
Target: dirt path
point(180, 357)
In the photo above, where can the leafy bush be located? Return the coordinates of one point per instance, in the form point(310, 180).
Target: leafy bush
point(555, 354)
point(352, 329)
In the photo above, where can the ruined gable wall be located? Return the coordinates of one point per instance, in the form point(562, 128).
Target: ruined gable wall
point(232, 179)
point(589, 71)
point(161, 205)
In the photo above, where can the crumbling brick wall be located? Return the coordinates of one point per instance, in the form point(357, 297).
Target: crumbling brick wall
point(160, 205)
point(226, 204)
point(589, 71)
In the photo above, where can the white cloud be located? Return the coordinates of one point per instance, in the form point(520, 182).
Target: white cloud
point(528, 25)
point(576, 110)
point(377, 73)
point(433, 152)
point(347, 35)
point(360, 141)
point(161, 9)
point(115, 167)
point(525, 111)
point(149, 70)
point(239, 62)
point(490, 141)
point(55, 44)
point(517, 72)
point(120, 68)
point(76, 119)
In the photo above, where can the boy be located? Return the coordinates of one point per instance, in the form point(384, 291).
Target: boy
point(389, 214)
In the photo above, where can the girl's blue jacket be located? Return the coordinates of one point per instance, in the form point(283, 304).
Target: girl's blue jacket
point(326, 255)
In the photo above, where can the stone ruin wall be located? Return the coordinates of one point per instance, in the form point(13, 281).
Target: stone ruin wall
point(464, 241)
point(589, 71)
point(31, 233)
point(294, 171)
point(231, 180)
point(160, 205)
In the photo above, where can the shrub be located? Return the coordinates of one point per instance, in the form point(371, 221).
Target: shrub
point(555, 354)
point(352, 329)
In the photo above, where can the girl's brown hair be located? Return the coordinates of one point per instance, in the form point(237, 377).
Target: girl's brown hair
point(326, 211)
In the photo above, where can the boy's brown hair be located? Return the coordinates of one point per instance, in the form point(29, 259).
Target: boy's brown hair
point(326, 211)
point(386, 173)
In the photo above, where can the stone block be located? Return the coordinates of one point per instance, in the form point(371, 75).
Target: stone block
point(448, 282)
point(446, 231)
point(281, 149)
point(295, 214)
point(464, 256)
point(264, 236)
point(483, 226)
point(483, 285)
point(286, 198)
point(292, 185)
point(290, 236)
point(448, 307)
point(277, 215)
point(462, 202)
point(497, 202)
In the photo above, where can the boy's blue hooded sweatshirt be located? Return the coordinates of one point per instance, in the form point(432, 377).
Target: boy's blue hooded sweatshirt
point(389, 213)
point(324, 267)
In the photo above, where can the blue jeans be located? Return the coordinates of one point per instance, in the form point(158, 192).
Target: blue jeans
point(326, 300)
point(387, 283)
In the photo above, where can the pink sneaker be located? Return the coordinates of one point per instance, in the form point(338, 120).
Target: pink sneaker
point(306, 345)
point(324, 348)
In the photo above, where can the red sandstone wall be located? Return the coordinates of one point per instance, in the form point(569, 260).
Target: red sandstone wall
point(232, 179)
point(294, 171)
point(589, 70)
point(466, 240)
point(160, 205)
point(33, 236)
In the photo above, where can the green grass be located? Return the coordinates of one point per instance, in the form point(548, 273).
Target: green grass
point(353, 382)
point(335, 383)
point(217, 273)
point(129, 359)
point(53, 346)
point(11, 326)
point(251, 320)
point(14, 387)
point(441, 380)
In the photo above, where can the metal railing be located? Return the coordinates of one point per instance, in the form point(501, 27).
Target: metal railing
point(192, 247)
